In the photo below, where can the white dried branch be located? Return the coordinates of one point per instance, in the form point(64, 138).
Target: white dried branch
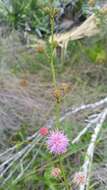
point(17, 156)
point(17, 159)
point(72, 111)
point(90, 151)
point(89, 125)
point(88, 28)
point(12, 149)
point(12, 160)
point(84, 107)
point(28, 166)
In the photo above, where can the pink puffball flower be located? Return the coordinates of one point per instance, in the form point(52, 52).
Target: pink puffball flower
point(55, 172)
point(79, 178)
point(57, 142)
point(43, 131)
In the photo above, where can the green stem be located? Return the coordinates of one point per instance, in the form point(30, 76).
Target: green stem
point(63, 174)
point(57, 107)
point(55, 85)
point(52, 52)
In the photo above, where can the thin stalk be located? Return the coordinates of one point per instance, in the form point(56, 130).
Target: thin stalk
point(52, 52)
point(63, 174)
point(57, 106)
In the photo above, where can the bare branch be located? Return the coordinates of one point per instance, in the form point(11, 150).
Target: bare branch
point(90, 151)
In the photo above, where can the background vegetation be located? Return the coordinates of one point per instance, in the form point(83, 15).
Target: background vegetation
point(29, 100)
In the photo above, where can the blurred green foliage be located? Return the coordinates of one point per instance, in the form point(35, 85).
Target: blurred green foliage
point(19, 13)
